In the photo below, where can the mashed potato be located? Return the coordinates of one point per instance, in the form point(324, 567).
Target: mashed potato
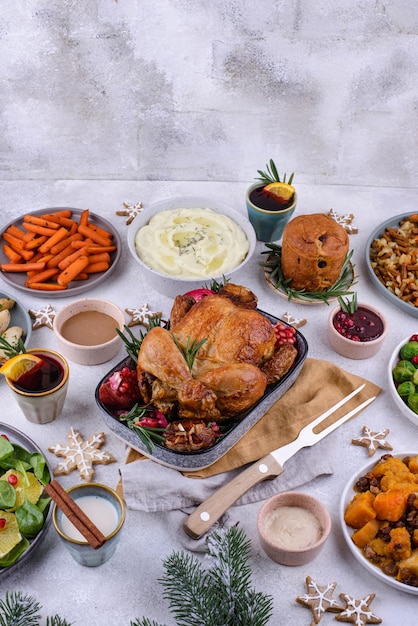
point(191, 243)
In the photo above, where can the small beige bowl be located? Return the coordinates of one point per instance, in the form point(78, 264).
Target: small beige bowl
point(89, 354)
point(287, 537)
point(356, 349)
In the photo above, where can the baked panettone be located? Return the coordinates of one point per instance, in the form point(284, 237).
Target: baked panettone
point(314, 248)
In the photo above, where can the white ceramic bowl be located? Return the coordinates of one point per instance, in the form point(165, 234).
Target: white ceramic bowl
point(171, 285)
point(280, 552)
point(402, 406)
point(346, 497)
point(355, 349)
point(89, 354)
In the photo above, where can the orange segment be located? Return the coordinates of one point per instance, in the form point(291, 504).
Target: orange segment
point(20, 364)
point(281, 191)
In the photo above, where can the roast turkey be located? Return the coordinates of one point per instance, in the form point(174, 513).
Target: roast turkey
point(234, 363)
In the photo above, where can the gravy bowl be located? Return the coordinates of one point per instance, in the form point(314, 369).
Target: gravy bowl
point(86, 330)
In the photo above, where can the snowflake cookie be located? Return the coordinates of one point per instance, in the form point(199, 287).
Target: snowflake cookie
point(142, 316)
point(373, 440)
point(358, 611)
point(319, 599)
point(344, 220)
point(81, 455)
point(43, 317)
point(130, 211)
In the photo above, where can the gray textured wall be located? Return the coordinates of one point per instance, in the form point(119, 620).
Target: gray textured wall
point(209, 89)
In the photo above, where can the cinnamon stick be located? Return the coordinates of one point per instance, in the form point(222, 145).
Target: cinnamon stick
point(75, 514)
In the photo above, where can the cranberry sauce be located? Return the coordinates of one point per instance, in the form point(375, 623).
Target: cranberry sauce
point(41, 379)
point(267, 201)
point(363, 325)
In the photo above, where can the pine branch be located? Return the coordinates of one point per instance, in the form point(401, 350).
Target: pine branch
point(19, 610)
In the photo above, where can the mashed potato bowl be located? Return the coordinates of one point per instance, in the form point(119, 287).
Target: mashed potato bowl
point(219, 241)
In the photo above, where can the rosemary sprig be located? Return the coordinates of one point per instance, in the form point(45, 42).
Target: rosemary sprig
point(132, 343)
point(147, 435)
point(271, 175)
point(215, 286)
point(273, 267)
point(11, 350)
point(190, 351)
point(347, 305)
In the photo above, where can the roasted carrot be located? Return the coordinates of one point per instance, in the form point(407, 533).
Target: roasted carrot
point(84, 218)
point(70, 273)
point(99, 258)
point(100, 231)
point(96, 268)
point(41, 277)
point(82, 243)
point(21, 267)
point(12, 255)
point(35, 242)
point(71, 258)
point(48, 286)
point(65, 242)
point(40, 221)
point(99, 249)
point(15, 231)
point(62, 220)
point(15, 242)
point(95, 236)
point(59, 235)
point(39, 230)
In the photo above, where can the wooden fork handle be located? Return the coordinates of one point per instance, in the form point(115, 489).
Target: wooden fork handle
point(207, 513)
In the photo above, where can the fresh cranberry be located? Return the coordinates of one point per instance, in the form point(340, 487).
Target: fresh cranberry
point(2, 523)
point(414, 359)
point(12, 479)
point(413, 338)
point(284, 334)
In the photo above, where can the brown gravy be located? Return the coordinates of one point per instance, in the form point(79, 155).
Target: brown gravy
point(89, 328)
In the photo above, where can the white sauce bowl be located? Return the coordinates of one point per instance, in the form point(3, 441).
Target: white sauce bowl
point(170, 285)
point(89, 354)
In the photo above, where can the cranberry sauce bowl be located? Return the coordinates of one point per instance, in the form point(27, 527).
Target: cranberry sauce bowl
point(358, 334)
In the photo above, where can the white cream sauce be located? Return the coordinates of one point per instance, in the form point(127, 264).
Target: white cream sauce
point(191, 243)
point(292, 527)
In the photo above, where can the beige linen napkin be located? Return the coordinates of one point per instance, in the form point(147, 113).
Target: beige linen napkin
point(148, 486)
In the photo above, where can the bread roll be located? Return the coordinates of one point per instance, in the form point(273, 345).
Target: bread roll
point(314, 248)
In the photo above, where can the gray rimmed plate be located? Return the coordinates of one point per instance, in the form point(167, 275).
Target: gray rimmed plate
point(17, 437)
point(17, 280)
point(19, 316)
point(193, 461)
point(392, 222)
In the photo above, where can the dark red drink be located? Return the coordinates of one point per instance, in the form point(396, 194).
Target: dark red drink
point(267, 201)
point(43, 378)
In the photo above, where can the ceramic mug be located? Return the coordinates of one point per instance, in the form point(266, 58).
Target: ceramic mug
point(44, 406)
point(106, 510)
point(268, 225)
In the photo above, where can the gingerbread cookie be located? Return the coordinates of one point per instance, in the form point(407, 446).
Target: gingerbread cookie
point(319, 599)
point(81, 455)
point(373, 440)
point(293, 321)
point(358, 611)
point(43, 317)
point(130, 211)
point(344, 220)
point(142, 316)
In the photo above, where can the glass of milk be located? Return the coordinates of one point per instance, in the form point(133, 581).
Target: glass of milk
point(106, 510)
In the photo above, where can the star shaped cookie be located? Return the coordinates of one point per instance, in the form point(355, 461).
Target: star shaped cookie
point(43, 317)
point(81, 455)
point(358, 611)
point(373, 440)
point(319, 599)
point(142, 316)
point(130, 211)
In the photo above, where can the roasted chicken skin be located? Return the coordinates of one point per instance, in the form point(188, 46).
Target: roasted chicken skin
point(227, 375)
